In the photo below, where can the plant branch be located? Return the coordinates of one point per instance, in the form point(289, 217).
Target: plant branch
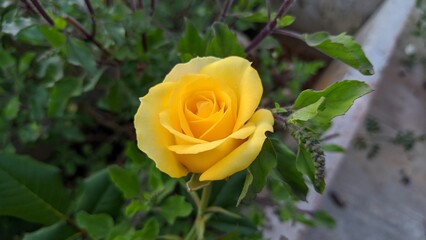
point(225, 10)
point(42, 12)
point(270, 26)
point(86, 34)
point(288, 33)
point(152, 8)
point(92, 17)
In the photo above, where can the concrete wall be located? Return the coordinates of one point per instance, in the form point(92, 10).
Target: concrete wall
point(334, 16)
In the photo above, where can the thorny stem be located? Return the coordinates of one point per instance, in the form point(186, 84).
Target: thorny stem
point(270, 26)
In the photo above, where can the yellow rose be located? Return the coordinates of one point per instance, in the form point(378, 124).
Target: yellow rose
point(202, 119)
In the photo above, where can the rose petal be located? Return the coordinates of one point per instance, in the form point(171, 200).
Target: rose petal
point(193, 66)
point(198, 163)
point(246, 153)
point(180, 137)
point(155, 139)
point(243, 133)
point(237, 73)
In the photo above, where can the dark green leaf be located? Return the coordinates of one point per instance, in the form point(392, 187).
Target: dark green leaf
point(174, 207)
point(287, 170)
point(191, 43)
point(96, 225)
point(31, 190)
point(341, 47)
point(60, 95)
point(339, 97)
point(264, 163)
point(80, 54)
point(59, 230)
point(305, 164)
point(224, 43)
point(125, 180)
point(53, 36)
point(12, 108)
point(100, 195)
point(136, 206)
point(150, 230)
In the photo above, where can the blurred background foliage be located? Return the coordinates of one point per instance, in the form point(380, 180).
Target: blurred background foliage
point(71, 74)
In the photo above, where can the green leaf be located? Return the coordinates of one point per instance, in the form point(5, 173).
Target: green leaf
point(191, 44)
point(323, 218)
point(60, 95)
point(285, 21)
point(60, 23)
point(308, 112)
point(174, 207)
point(287, 169)
point(25, 62)
point(136, 206)
point(31, 190)
point(53, 36)
point(12, 108)
point(264, 163)
point(305, 164)
point(339, 97)
point(59, 230)
point(332, 148)
point(80, 54)
point(195, 184)
point(100, 195)
point(93, 80)
point(224, 43)
point(150, 230)
point(341, 47)
point(248, 181)
point(96, 225)
point(125, 180)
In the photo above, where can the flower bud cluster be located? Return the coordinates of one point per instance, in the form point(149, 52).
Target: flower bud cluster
point(312, 144)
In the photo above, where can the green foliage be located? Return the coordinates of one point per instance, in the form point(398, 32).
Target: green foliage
point(174, 207)
point(125, 180)
point(341, 47)
point(96, 225)
point(339, 97)
point(31, 190)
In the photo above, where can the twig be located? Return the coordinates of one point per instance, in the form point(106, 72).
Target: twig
point(225, 9)
point(86, 34)
point(92, 17)
point(270, 26)
point(42, 12)
point(288, 33)
point(152, 8)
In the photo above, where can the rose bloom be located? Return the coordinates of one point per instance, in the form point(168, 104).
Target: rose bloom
point(202, 119)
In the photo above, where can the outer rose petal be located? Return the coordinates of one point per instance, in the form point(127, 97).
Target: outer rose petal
point(155, 139)
point(193, 66)
point(246, 153)
point(238, 74)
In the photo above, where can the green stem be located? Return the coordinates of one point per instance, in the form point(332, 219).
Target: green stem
point(197, 230)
